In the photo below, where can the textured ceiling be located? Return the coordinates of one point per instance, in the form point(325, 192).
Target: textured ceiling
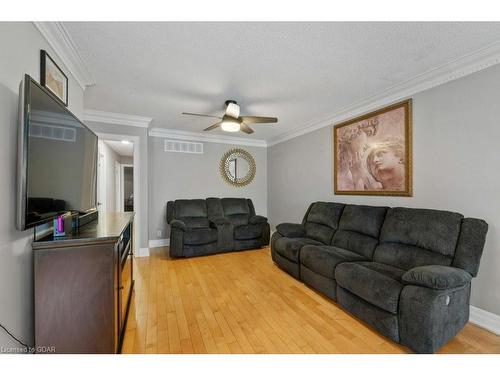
point(299, 72)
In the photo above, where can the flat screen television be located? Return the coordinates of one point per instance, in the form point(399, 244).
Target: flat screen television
point(57, 159)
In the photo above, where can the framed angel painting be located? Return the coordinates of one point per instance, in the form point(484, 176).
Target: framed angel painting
point(373, 153)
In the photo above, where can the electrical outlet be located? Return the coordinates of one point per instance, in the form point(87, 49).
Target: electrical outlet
point(158, 234)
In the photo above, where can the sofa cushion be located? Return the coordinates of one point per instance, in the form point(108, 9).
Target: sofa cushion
point(407, 257)
point(363, 219)
point(429, 229)
point(290, 247)
point(190, 208)
point(324, 259)
point(200, 236)
point(234, 206)
point(376, 283)
point(247, 232)
point(322, 221)
point(359, 243)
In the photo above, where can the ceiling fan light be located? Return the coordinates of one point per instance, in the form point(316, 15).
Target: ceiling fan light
point(233, 110)
point(230, 126)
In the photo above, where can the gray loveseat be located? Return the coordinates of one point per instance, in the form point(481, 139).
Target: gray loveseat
point(406, 272)
point(214, 225)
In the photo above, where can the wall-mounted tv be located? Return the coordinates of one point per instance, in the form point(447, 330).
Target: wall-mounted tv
point(57, 158)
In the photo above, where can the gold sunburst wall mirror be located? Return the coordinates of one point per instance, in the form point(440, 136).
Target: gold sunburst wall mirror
point(237, 167)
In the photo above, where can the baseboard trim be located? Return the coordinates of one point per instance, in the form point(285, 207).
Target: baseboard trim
point(159, 242)
point(485, 319)
point(142, 252)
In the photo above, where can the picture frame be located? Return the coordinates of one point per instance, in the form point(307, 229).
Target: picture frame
point(373, 153)
point(53, 78)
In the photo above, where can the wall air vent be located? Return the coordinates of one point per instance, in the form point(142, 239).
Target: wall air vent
point(56, 133)
point(183, 146)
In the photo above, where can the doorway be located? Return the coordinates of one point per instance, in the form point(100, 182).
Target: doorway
point(115, 189)
point(111, 195)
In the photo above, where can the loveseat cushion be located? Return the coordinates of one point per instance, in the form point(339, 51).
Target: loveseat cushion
point(324, 259)
point(376, 283)
point(235, 206)
point(195, 222)
point(190, 208)
point(247, 232)
point(290, 247)
point(322, 221)
point(200, 236)
point(237, 219)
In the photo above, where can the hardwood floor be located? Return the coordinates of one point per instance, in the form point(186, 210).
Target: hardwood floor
point(243, 303)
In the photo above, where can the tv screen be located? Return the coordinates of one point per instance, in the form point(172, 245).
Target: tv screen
point(57, 158)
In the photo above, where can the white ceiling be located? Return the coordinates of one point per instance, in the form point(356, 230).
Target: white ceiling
point(300, 72)
point(120, 148)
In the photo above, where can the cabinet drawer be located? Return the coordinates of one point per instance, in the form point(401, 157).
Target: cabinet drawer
point(126, 286)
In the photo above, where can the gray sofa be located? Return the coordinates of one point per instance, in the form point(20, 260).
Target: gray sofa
point(214, 225)
point(406, 272)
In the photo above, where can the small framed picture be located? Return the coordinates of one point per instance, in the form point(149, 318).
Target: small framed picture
point(52, 77)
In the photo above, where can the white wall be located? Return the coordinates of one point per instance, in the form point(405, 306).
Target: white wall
point(456, 159)
point(20, 45)
point(185, 176)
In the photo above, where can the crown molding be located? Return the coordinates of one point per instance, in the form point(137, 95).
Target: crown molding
point(116, 118)
point(62, 44)
point(193, 136)
point(458, 68)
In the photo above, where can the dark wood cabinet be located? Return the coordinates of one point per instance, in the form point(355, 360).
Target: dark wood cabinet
point(83, 285)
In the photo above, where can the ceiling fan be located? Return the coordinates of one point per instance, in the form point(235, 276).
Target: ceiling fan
point(231, 121)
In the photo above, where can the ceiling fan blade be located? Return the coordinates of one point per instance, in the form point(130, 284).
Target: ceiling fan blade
point(199, 114)
point(214, 126)
point(259, 119)
point(245, 128)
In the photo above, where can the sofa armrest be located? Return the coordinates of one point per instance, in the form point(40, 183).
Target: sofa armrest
point(291, 230)
point(178, 224)
point(257, 219)
point(437, 277)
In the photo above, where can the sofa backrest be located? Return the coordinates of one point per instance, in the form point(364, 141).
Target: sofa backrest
point(237, 206)
point(193, 212)
point(359, 229)
point(470, 245)
point(413, 237)
point(237, 210)
point(322, 220)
